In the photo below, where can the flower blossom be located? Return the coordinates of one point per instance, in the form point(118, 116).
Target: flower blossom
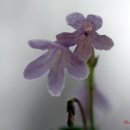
point(54, 61)
point(85, 36)
point(100, 101)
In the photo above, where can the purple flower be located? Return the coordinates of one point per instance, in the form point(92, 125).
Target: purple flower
point(85, 35)
point(55, 60)
point(100, 101)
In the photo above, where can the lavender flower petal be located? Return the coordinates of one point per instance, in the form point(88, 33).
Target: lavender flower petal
point(38, 67)
point(41, 44)
point(100, 99)
point(77, 68)
point(96, 21)
point(83, 50)
point(86, 37)
point(67, 39)
point(102, 42)
point(56, 79)
point(75, 20)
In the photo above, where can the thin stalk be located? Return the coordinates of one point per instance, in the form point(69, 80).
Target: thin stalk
point(82, 113)
point(91, 91)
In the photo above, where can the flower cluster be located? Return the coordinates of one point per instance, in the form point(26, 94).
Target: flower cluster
point(59, 57)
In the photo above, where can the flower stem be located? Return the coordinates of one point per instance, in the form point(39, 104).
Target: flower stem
point(71, 112)
point(91, 91)
point(82, 113)
point(92, 64)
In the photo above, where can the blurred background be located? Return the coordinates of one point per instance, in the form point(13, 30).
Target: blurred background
point(26, 105)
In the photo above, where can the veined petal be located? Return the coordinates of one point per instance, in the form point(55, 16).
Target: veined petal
point(75, 20)
point(83, 49)
point(77, 67)
point(67, 39)
point(101, 42)
point(41, 44)
point(38, 67)
point(96, 21)
point(56, 77)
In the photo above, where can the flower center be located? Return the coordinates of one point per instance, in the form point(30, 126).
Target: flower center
point(86, 33)
point(87, 29)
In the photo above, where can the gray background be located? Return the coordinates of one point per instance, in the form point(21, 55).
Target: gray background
point(26, 105)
